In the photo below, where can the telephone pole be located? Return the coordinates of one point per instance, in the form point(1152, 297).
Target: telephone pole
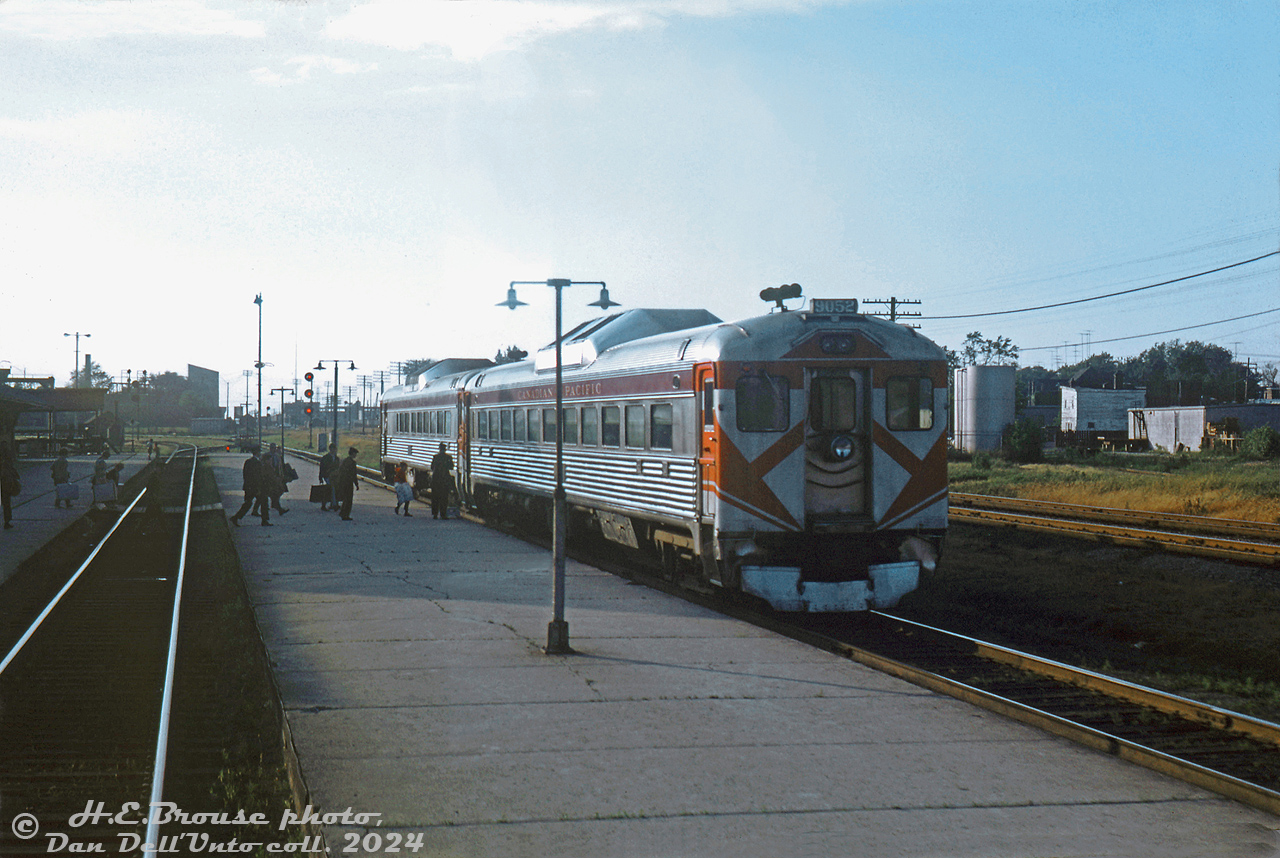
point(894, 313)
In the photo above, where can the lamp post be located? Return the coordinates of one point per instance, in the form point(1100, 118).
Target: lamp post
point(558, 628)
point(76, 375)
point(282, 391)
point(259, 365)
point(320, 365)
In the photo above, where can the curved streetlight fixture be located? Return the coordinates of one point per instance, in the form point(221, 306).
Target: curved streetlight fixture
point(76, 375)
point(320, 365)
point(558, 628)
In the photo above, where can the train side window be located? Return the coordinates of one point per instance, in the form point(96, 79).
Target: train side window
point(438, 421)
point(833, 404)
point(764, 403)
point(708, 405)
point(590, 426)
point(506, 424)
point(549, 425)
point(570, 417)
point(534, 425)
point(909, 403)
point(635, 425)
point(660, 426)
point(610, 422)
point(520, 433)
point(482, 424)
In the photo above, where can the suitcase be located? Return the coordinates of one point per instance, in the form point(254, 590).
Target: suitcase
point(68, 491)
point(104, 493)
point(322, 493)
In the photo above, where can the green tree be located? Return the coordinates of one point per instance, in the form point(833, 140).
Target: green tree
point(512, 354)
point(978, 349)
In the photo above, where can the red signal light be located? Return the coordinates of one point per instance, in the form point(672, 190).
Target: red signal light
point(310, 377)
point(307, 409)
point(308, 393)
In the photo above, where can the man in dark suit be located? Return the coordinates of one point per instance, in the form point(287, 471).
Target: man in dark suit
point(348, 483)
point(254, 490)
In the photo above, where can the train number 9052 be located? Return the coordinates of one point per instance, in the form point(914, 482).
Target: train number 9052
point(835, 306)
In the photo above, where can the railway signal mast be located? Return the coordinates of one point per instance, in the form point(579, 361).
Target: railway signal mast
point(309, 409)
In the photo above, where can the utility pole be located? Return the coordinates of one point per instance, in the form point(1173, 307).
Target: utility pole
point(894, 313)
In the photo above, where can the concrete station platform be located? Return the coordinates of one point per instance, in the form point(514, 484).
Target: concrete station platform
point(408, 653)
point(35, 521)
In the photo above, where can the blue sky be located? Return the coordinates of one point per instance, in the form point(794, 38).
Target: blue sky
point(380, 171)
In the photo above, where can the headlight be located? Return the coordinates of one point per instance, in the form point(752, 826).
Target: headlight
point(841, 448)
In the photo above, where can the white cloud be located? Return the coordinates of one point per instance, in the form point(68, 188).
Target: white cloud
point(72, 19)
point(474, 29)
point(300, 69)
point(101, 133)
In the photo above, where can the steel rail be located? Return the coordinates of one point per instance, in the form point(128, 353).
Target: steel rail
point(83, 566)
point(1250, 530)
point(1163, 701)
point(1125, 749)
point(1266, 553)
point(166, 704)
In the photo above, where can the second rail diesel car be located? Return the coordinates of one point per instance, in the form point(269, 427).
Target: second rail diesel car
point(798, 456)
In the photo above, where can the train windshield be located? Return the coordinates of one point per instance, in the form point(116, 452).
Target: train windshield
point(833, 404)
point(764, 403)
point(909, 403)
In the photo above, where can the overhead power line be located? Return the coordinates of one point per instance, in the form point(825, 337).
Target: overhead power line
point(1159, 333)
point(1108, 295)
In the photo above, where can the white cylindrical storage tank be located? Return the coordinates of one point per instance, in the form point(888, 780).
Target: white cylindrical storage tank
point(984, 406)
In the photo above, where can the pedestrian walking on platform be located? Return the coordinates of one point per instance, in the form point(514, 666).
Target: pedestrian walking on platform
point(329, 476)
point(61, 472)
point(255, 496)
point(404, 491)
point(10, 483)
point(441, 482)
point(348, 483)
point(105, 481)
point(273, 476)
point(151, 448)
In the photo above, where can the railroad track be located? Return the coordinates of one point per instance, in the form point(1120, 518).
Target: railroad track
point(85, 692)
point(109, 689)
point(1224, 539)
point(1226, 752)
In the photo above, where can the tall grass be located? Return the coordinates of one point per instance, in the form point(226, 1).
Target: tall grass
point(1214, 486)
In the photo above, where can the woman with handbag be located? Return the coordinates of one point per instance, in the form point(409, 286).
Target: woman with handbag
point(63, 488)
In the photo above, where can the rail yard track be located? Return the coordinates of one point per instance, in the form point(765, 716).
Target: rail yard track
point(1224, 539)
point(105, 697)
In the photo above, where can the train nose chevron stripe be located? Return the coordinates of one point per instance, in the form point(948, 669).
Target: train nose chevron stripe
point(924, 483)
point(742, 482)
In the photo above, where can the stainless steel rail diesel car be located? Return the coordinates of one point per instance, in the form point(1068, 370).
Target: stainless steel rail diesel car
point(798, 456)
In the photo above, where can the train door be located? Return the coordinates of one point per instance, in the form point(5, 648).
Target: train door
point(463, 473)
point(837, 457)
point(708, 444)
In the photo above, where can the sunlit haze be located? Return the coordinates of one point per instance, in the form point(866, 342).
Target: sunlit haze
point(380, 171)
